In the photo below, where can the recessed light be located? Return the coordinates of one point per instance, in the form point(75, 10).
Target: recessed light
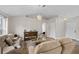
point(39, 17)
point(65, 19)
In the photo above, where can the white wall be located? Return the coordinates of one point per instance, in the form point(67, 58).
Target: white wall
point(50, 28)
point(60, 27)
point(54, 26)
point(18, 24)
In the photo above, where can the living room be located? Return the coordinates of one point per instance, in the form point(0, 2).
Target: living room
point(46, 23)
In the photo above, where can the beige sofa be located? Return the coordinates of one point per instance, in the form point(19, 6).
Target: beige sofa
point(48, 47)
point(59, 46)
point(4, 48)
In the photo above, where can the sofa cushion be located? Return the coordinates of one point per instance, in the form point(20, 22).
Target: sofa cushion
point(68, 45)
point(49, 38)
point(8, 49)
point(8, 41)
point(15, 39)
point(65, 40)
point(10, 35)
point(68, 48)
point(47, 46)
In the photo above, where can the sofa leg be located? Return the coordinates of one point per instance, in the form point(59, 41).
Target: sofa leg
point(1, 50)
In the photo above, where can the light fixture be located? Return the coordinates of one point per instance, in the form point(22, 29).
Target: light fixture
point(65, 18)
point(39, 17)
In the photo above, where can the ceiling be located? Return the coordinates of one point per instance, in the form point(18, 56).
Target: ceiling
point(48, 10)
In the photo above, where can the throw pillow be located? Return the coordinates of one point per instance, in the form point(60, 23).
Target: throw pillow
point(9, 41)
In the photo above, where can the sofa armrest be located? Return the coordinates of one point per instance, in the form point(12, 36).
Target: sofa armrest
point(8, 49)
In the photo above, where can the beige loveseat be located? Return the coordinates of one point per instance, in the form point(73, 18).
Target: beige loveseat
point(58, 46)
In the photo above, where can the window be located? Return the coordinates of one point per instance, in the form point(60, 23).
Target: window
point(44, 27)
point(3, 25)
point(0, 25)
